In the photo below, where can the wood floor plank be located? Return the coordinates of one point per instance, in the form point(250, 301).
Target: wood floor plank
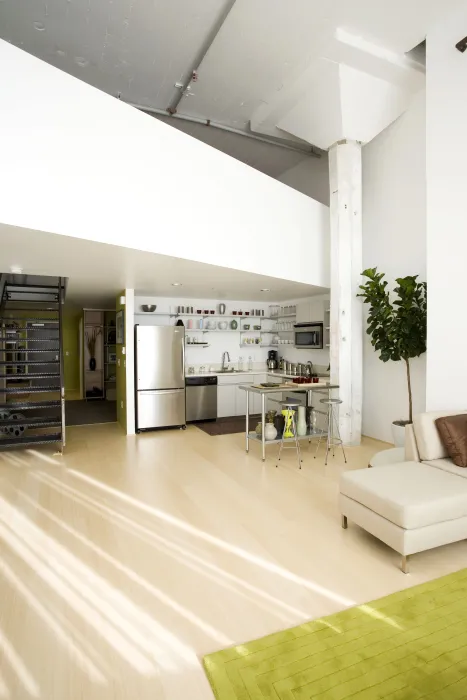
point(126, 560)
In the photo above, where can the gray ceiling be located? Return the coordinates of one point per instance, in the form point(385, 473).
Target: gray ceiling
point(140, 49)
point(272, 160)
point(137, 49)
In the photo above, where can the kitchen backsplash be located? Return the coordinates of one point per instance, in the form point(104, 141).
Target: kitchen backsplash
point(228, 340)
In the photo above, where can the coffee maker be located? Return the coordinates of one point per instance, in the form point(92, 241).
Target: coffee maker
point(272, 359)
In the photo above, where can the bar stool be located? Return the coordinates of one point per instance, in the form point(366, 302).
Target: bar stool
point(333, 439)
point(288, 411)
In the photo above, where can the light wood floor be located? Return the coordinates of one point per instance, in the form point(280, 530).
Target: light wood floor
point(125, 561)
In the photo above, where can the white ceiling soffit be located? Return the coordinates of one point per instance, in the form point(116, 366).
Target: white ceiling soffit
point(97, 272)
point(262, 56)
point(344, 103)
point(354, 91)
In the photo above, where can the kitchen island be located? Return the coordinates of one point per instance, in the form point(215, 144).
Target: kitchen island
point(282, 389)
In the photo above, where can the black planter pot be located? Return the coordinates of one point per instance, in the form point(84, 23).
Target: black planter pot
point(279, 423)
point(92, 364)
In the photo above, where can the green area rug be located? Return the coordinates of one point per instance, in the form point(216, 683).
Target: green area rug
point(407, 646)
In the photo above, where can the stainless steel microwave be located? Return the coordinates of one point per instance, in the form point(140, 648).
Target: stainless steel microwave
point(308, 335)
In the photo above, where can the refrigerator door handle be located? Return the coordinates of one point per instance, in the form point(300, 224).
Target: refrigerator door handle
point(160, 392)
point(183, 356)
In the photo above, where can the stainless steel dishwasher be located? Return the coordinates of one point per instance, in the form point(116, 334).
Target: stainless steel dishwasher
point(201, 398)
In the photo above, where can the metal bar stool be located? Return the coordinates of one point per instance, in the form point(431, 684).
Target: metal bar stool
point(290, 429)
point(333, 438)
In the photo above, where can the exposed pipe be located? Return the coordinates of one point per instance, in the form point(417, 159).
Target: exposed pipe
point(201, 54)
point(207, 122)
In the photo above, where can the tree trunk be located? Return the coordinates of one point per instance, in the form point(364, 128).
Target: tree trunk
point(409, 386)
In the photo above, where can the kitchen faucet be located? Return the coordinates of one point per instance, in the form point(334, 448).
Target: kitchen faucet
point(224, 354)
point(309, 368)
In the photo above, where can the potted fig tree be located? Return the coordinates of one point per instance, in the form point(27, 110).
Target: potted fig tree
point(396, 326)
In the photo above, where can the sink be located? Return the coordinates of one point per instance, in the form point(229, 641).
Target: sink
point(228, 371)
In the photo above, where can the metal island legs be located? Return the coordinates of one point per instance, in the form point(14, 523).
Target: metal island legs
point(262, 438)
point(263, 425)
point(247, 429)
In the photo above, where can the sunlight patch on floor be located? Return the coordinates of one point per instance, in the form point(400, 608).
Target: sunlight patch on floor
point(238, 551)
point(125, 627)
point(379, 616)
point(4, 692)
point(9, 653)
point(132, 575)
point(183, 555)
point(44, 457)
point(74, 651)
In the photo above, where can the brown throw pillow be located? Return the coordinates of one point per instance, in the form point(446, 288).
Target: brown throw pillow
point(453, 433)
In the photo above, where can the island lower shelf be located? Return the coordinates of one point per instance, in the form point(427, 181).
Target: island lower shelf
point(309, 435)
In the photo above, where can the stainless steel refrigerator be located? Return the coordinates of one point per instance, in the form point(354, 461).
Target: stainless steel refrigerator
point(160, 376)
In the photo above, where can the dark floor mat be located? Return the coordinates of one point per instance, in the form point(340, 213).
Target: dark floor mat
point(89, 412)
point(227, 426)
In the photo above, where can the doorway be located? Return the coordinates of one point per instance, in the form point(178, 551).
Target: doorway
point(89, 338)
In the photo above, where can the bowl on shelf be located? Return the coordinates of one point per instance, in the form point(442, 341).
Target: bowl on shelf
point(246, 327)
point(222, 325)
point(149, 308)
point(256, 328)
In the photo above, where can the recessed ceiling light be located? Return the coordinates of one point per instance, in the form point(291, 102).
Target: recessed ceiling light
point(16, 270)
point(176, 284)
point(265, 290)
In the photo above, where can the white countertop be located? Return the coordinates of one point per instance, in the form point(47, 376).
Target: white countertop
point(281, 373)
point(269, 373)
point(221, 374)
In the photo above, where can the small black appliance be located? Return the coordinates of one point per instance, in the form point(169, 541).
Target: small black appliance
point(272, 362)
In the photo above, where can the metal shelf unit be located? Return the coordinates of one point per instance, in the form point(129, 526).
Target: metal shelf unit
point(32, 394)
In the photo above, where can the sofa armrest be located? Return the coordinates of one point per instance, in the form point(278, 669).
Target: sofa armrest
point(411, 449)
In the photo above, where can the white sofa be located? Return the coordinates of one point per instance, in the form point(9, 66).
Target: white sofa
point(414, 505)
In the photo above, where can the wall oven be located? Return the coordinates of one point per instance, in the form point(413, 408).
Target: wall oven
point(308, 335)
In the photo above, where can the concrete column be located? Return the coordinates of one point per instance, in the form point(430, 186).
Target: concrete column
point(345, 177)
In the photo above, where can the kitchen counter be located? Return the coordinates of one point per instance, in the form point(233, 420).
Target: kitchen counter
point(288, 387)
point(281, 373)
point(270, 373)
point(229, 374)
point(263, 392)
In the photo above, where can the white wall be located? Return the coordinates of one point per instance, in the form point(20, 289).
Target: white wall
point(311, 177)
point(230, 341)
point(394, 240)
point(446, 149)
point(219, 341)
point(78, 162)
